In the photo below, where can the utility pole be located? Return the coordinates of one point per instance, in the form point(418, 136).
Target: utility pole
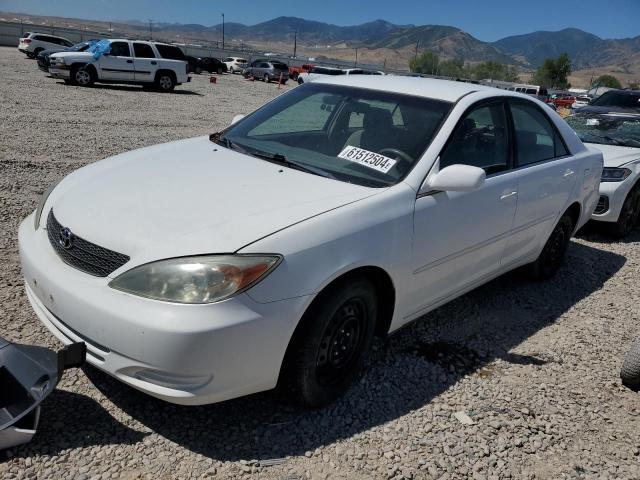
point(151, 29)
point(223, 31)
point(295, 43)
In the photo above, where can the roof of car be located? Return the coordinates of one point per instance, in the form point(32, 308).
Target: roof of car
point(424, 87)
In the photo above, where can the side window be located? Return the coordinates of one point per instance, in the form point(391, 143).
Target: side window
point(142, 50)
point(120, 49)
point(535, 138)
point(170, 52)
point(480, 140)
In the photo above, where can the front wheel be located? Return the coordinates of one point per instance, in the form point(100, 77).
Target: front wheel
point(300, 81)
point(82, 76)
point(629, 215)
point(331, 343)
point(553, 253)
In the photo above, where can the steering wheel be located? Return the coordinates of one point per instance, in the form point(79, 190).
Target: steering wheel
point(398, 153)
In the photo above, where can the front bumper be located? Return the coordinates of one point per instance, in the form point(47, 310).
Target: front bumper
point(58, 72)
point(615, 194)
point(186, 354)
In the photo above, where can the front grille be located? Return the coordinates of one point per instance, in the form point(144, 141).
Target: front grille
point(84, 255)
point(603, 205)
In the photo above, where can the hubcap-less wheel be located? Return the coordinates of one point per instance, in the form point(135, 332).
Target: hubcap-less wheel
point(83, 77)
point(341, 341)
point(266, 78)
point(165, 82)
point(629, 214)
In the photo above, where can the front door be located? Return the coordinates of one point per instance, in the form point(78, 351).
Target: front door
point(459, 237)
point(118, 64)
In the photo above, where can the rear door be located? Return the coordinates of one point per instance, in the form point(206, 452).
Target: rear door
point(118, 64)
point(547, 175)
point(144, 62)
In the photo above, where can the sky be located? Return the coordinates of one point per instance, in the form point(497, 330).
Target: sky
point(487, 20)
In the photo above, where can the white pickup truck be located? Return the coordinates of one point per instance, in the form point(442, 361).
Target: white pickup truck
point(125, 61)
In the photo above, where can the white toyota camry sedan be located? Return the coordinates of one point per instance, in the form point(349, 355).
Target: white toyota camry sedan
point(272, 252)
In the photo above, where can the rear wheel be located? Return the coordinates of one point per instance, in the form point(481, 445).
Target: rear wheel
point(219, 70)
point(37, 51)
point(553, 253)
point(266, 78)
point(629, 214)
point(165, 82)
point(331, 343)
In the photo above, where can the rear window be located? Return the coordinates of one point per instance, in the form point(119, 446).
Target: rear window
point(142, 50)
point(279, 66)
point(170, 52)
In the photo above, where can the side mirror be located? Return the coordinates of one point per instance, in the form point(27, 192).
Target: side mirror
point(455, 178)
point(236, 119)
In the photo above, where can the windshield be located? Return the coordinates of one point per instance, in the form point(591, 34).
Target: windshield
point(355, 135)
point(618, 99)
point(607, 129)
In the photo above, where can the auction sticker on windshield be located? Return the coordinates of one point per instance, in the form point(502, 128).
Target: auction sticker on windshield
point(368, 159)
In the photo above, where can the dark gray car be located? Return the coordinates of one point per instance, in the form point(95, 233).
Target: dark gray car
point(267, 70)
point(614, 101)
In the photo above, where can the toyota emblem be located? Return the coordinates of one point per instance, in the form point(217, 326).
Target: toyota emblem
point(65, 238)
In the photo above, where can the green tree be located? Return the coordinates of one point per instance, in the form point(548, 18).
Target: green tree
point(553, 72)
point(494, 71)
point(452, 68)
point(426, 62)
point(607, 81)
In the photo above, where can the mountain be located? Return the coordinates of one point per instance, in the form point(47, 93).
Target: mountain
point(534, 48)
point(448, 42)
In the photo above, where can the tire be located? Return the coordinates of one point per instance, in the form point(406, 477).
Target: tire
point(266, 78)
point(630, 371)
point(165, 82)
point(37, 51)
point(30, 55)
point(300, 81)
point(83, 76)
point(553, 253)
point(339, 325)
point(219, 70)
point(629, 215)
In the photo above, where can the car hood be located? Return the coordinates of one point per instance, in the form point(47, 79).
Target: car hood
point(81, 56)
point(190, 197)
point(616, 156)
point(605, 109)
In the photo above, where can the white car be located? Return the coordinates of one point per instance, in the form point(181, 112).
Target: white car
point(581, 101)
point(272, 252)
point(123, 61)
point(617, 135)
point(235, 64)
point(34, 43)
point(317, 73)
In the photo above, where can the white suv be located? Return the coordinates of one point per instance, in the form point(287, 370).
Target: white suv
point(34, 43)
point(124, 61)
point(236, 64)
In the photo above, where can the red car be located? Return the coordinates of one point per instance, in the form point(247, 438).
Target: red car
point(297, 70)
point(563, 101)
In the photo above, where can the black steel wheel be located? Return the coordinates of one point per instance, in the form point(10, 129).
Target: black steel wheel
point(331, 342)
point(553, 253)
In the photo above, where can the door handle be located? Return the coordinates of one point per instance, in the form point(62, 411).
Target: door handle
point(568, 173)
point(154, 63)
point(508, 195)
point(129, 61)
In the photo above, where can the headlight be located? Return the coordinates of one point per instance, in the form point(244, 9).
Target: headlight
point(201, 279)
point(43, 200)
point(615, 174)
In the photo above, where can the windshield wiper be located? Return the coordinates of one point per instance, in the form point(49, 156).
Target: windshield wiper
point(617, 141)
point(281, 159)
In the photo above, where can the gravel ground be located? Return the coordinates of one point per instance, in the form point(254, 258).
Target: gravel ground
point(533, 365)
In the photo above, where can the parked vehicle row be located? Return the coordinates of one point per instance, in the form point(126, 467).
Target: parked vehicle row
point(198, 65)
